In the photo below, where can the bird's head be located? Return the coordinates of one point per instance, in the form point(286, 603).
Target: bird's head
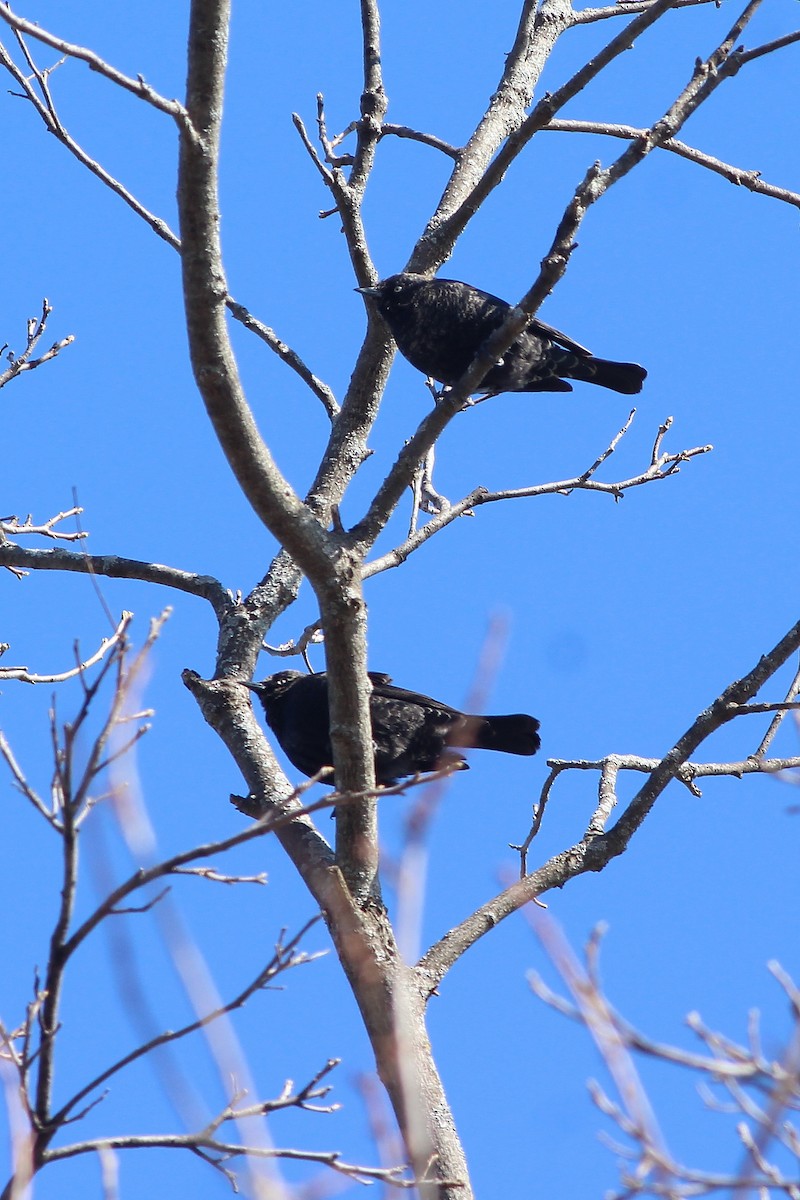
point(274, 686)
point(395, 291)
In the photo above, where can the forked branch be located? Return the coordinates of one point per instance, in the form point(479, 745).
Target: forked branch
point(600, 845)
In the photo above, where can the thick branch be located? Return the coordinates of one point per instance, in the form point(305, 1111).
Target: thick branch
point(334, 576)
point(205, 296)
point(539, 29)
point(466, 192)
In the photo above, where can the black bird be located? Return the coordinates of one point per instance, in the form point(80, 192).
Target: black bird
point(410, 732)
point(440, 325)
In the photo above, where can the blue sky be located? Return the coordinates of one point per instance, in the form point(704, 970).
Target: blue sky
point(623, 620)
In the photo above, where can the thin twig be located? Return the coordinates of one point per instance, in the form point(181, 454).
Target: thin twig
point(36, 327)
point(286, 957)
point(25, 676)
point(137, 87)
point(738, 176)
point(792, 693)
point(426, 139)
point(661, 466)
point(15, 527)
point(49, 115)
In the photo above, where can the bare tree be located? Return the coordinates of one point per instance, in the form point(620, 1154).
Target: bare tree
point(344, 879)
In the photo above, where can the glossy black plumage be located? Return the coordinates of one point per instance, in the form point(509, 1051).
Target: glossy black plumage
point(440, 325)
point(411, 732)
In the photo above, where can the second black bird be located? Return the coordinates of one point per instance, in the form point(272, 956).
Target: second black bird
point(410, 732)
point(440, 325)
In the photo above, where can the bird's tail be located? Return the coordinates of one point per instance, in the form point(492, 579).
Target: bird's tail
point(622, 377)
point(515, 734)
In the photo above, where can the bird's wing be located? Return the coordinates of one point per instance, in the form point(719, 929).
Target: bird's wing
point(383, 687)
point(555, 335)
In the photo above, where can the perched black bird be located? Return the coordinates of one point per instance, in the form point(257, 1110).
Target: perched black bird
point(410, 732)
point(440, 325)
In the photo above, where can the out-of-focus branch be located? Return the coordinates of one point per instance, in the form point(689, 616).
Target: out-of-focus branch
point(71, 802)
point(24, 362)
point(761, 1092)
point(637, 1116)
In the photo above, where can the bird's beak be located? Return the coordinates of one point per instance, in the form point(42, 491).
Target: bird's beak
point(367, 291)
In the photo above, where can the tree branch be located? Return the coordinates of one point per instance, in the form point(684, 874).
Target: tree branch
point(598, 847)
point(115, 567)
point(736, 175)
point(14, 527)
point(587, 16)
point(662, 466)
point(136, 87)
point(106, 646)
point(205, 293)
point(49, 115)
point(283, 959)
point(36, 327)
point(467, 189)
point(214, 1151)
